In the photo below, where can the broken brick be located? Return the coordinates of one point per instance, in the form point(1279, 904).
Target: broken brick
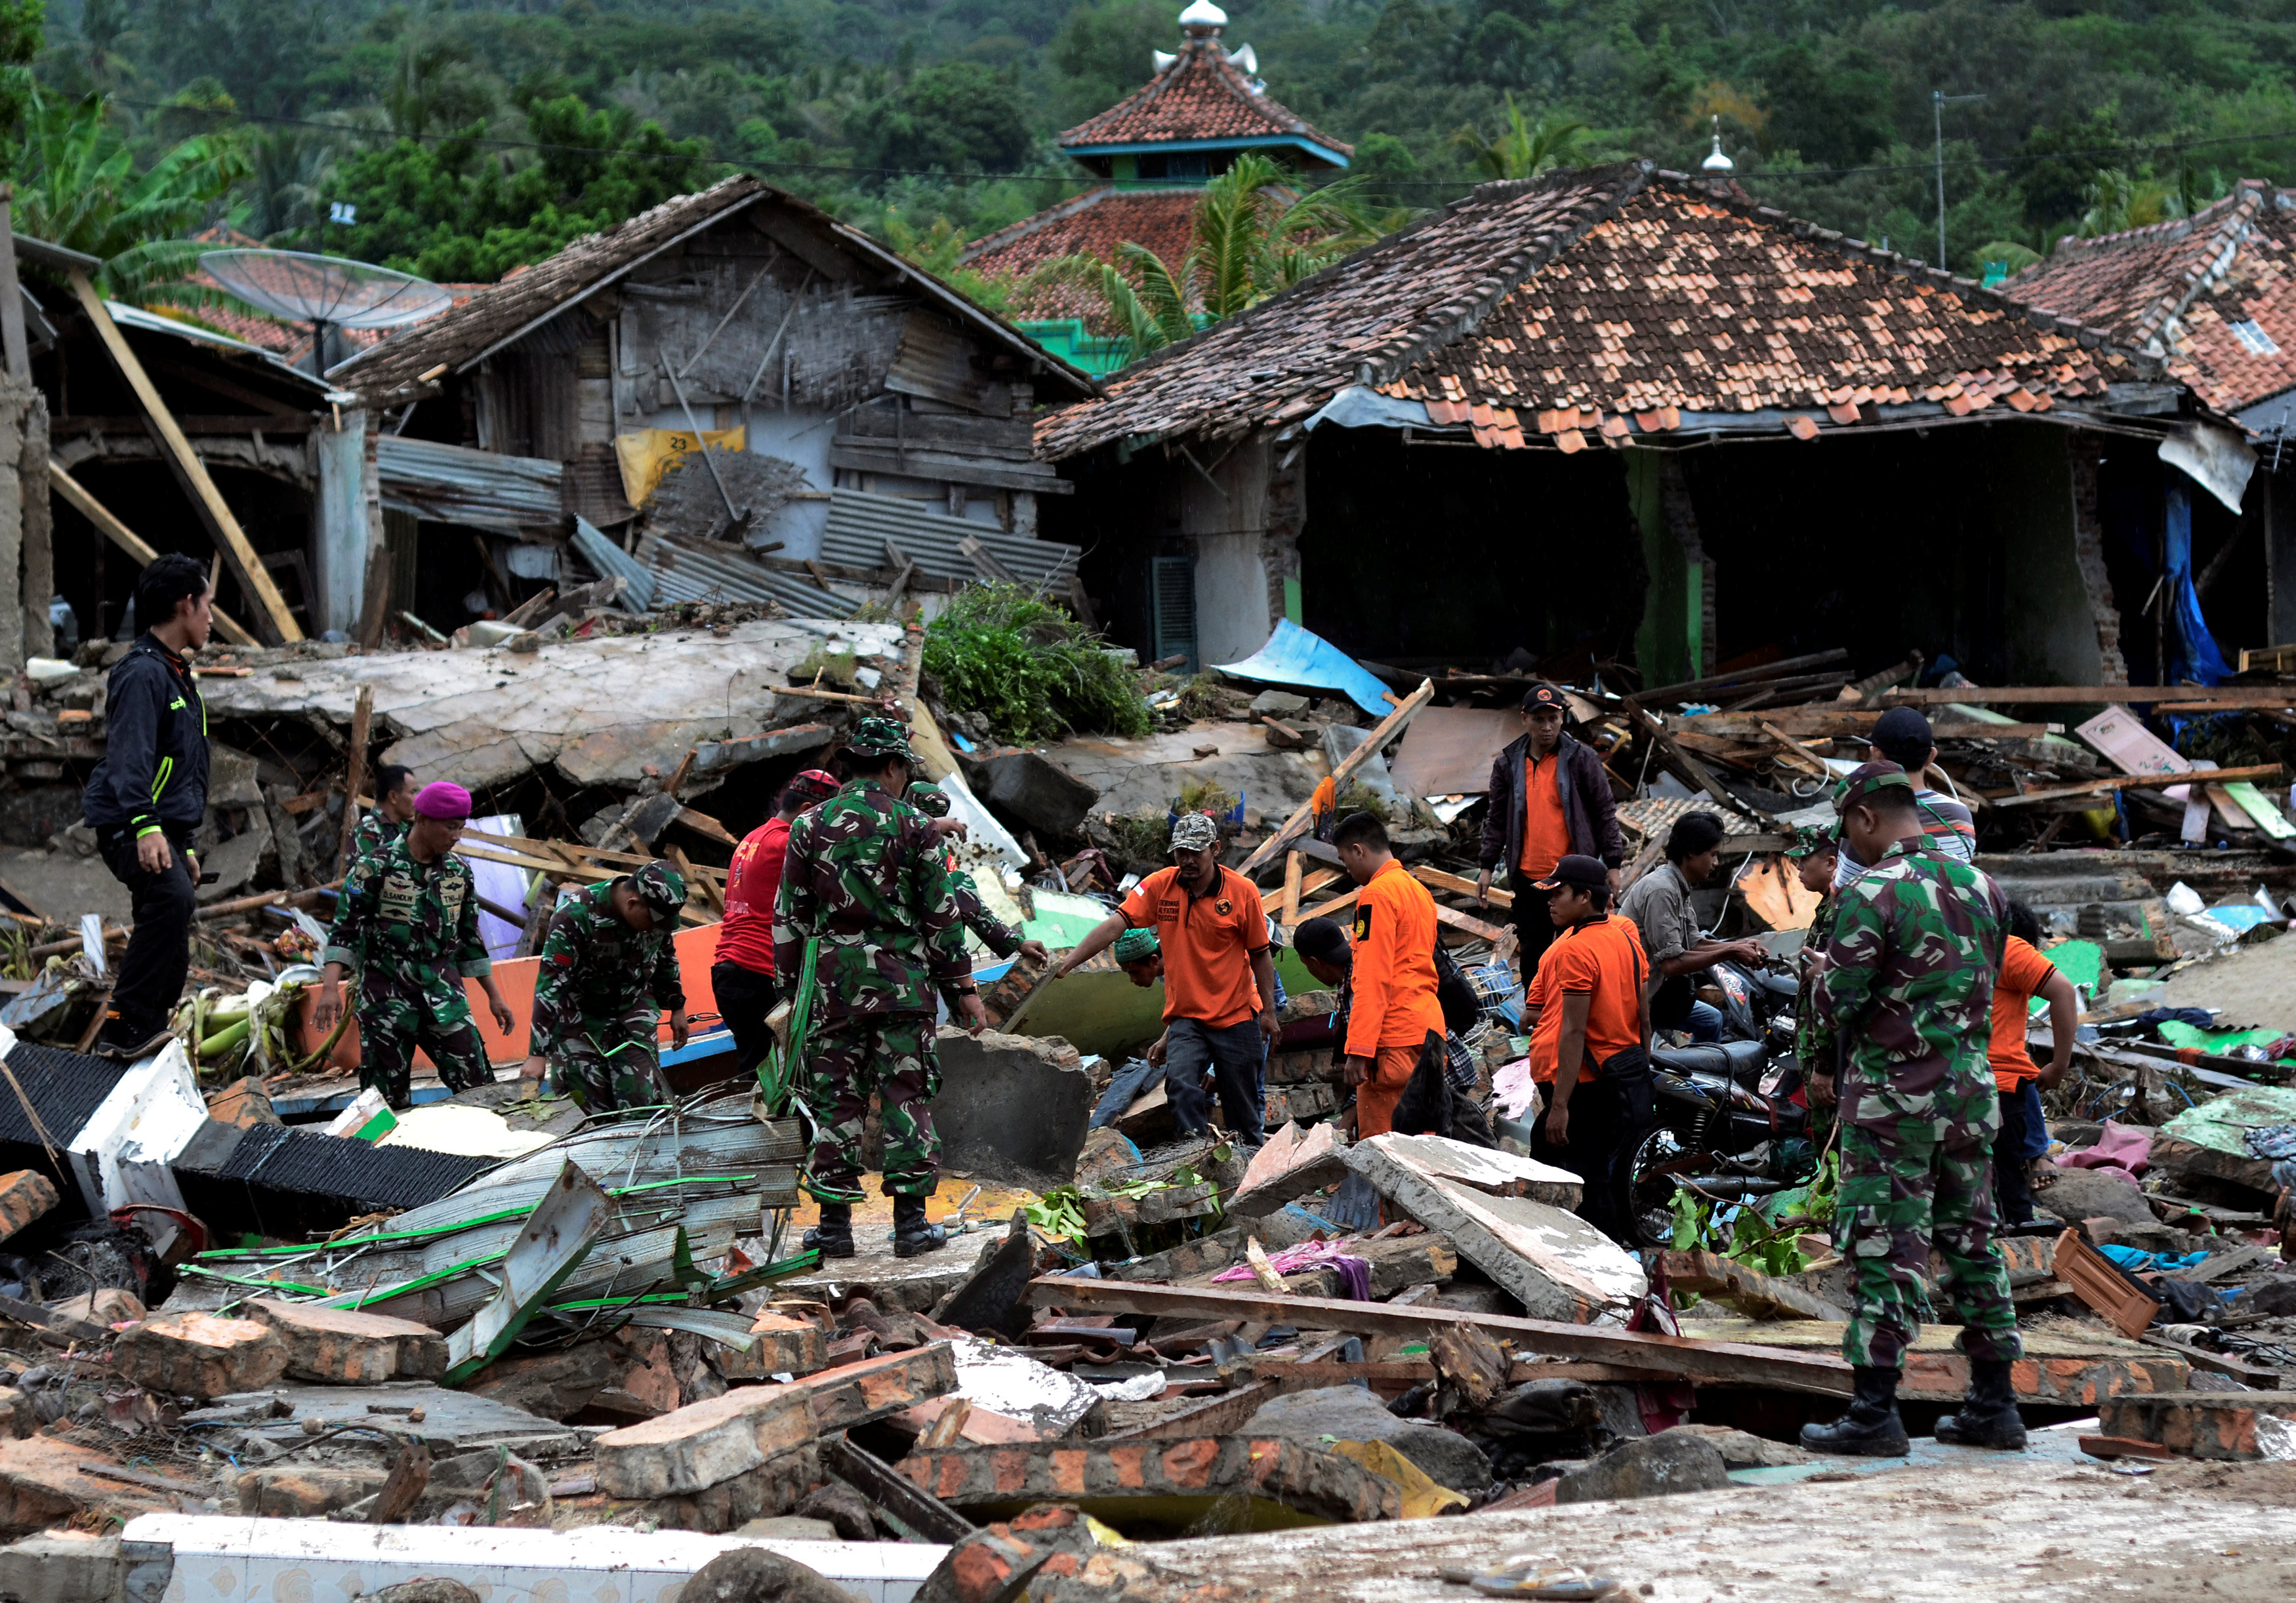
point(2199, 1424)
point(344, 1347)
point(24, 1195)
point(889, 1384)
point(704, 1444)
point(108, 1306)
point(996, 1564)
point(1291, 1163)
point(200, 1355)
point(242, 1103)
point(785, 1347)
point(1191, 1473)
point(47, 1481)
point(305, 1490)
point(556, 1386)
point(773, 1487)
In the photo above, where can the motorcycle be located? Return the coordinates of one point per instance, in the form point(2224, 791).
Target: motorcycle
point(1726, 1125)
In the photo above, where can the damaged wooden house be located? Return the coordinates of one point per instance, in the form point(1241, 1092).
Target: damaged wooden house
point(1629, 415)
point(730, 397)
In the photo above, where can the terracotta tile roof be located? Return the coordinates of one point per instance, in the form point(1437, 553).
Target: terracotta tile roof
point(2213, 294)
point(1599, 305)
point(529, 295)
point(1200, 95)
point(1092, 223)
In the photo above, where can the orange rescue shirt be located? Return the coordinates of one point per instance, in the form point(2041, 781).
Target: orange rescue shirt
point(1207, 942)
point(1545, 831)
point(2024, 970)
point(1602, 960)
point(1392, 980)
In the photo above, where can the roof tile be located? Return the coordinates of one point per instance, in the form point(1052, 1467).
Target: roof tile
point(1199, 95)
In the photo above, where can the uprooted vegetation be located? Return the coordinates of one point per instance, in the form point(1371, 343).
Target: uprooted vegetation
point(1034, 672)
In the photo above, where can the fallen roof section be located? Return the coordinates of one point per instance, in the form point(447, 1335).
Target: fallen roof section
point(1615, 304)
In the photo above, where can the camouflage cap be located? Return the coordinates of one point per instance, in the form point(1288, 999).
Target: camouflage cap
point(1865, 780)
point(881, 736)
point(1809, 840)
point(930, 800)
point(1194, 833)
point(1136, 946)
point(659, 886)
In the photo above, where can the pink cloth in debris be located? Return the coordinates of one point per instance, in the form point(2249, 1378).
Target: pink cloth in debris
point(2118, 1147)
point(1313, 1255)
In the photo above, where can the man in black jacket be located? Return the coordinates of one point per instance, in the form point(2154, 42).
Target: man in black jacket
point(148, 795)
point(1550, 798)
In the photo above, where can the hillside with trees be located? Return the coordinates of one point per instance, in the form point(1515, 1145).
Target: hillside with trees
point(464, 137)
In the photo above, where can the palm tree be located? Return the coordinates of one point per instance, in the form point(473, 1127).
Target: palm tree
point(1527, 149)
point(76, 186)
point(1253, 235)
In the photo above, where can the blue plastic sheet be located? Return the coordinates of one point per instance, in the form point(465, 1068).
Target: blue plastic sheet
point(2193, 654)
point(1294, 656)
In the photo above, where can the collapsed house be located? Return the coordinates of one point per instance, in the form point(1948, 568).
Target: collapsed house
point(1636, 410)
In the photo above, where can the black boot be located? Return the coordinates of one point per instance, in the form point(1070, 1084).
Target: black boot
point(1988, 1417)
point(833, 1237)
point(1870, 1429)
point(911, 1234)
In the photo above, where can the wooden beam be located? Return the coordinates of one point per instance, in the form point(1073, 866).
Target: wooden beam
point(2220, 696)
point(1748, 677)
point(1435, 878)
point(2139, 781)
point(1287, 906)
point(76, 495)
point(1373, 743)
point(1800, 756)
point(230, 539)
point(1473, 926)
point(1332, 908)
point(1689, 764)
point(1715, 1361)
point(362, 731)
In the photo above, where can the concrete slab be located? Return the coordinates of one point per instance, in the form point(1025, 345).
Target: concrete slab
point(1009, 1110)
point(696, 1447)
point(916, 1284)
point(63, 885)
point(1143, 776)
point(452, 1421)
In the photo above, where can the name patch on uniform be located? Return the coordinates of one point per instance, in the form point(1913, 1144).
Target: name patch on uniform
point(450, 894)
point(397, 898)
point(1168, 912)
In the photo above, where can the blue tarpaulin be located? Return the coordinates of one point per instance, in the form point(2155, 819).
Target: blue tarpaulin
point(2194, 658)
point(1293, 657)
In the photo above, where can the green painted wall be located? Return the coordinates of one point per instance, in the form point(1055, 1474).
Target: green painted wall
point(1669, 643)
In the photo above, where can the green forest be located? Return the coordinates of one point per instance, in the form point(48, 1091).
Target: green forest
point(462, 138)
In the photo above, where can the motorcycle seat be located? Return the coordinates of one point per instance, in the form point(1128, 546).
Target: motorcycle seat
point(1741, 1061)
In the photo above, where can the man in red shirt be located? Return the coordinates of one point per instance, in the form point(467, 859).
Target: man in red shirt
point(1219, 977)
point(743, 976)
point(1592, 1018)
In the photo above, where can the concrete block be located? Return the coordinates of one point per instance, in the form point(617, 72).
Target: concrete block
point(109, 1306)
point(1291, 1163)
point(200, 1355)
point(995, 1297)
point(46, 1481)
point(1660, 1466)
point(306, 1490)
point(1484, 1169)
point(554, 1385)
point(776, 1486)
point(1197, 1483)
point(1010, 1110)
point(703, 1445)
point(74, 1566)
point(1349, 1414)
point(349, 1348)
point(25, 1195)
point(1115, 1216)
point(785, 1347)
point(754, 1575)
point(888, 1384)
point(2236, 1426)
point(1030, 792)
point(2079, 1194)
point(1290, 1104)
point(1554, 1263)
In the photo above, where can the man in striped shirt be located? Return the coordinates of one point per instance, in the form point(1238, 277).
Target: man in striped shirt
point(1902, 736)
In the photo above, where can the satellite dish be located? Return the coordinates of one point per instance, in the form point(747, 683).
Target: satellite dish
point(325, 291)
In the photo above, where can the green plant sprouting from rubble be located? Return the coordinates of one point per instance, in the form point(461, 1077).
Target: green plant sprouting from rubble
point(1764, 1236)
point(1028, 667)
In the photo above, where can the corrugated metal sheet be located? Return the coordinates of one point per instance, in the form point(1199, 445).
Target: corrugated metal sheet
point(859, 525)
point(612, 561)
point(696, 570)
point(454, 484)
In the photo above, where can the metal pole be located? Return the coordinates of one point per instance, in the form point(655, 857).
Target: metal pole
point(1937, 113)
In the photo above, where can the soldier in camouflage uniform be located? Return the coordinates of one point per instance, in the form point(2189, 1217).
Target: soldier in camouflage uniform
point(867, 878)
point(408, 924)
point(609, 968)
point(1917, 941)
point(392, 813)
point(1000, 937)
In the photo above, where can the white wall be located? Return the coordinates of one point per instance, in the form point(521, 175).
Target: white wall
point(338, 518)
point(1230, 529)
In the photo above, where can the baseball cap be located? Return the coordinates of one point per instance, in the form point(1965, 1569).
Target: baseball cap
point(1809, 839)
point(1543, 694)
point(1195, 831)
point(881, 736)
point(659, 886)
point(1864, 781)
point(1136, 946)
point(1902, 729)
point(443, 799)
point(1587, 873)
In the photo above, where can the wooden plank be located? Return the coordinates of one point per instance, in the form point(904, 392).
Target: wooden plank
point(1748, 677)
point(1459, 921)
point(76, 496)
point(1435, 878)
point(1287, 905)
point(1800, 756)
point(2137, 781)
point(901, 1500)
point(1222, 1415)
point(1682, 759)
point(2098, 1282)
point(362, 731)
point(246, 565)
point(2219, 696)
point(1672, 1355)
point(1385, 732)
point(1332, 908)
